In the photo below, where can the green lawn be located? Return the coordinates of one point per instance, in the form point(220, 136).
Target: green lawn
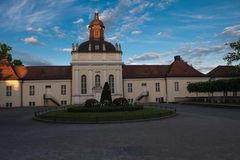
point(105, 116)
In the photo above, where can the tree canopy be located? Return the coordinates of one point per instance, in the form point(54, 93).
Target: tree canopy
point(17, 62)
point(221, 85)
point(235, 55)
point(5, 53)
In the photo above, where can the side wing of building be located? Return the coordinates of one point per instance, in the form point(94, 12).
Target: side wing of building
point(34, 85)
point(160, 83)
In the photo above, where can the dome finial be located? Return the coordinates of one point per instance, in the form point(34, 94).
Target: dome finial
point(96, 14)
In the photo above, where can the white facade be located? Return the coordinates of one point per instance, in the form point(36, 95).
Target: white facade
point(91, 65)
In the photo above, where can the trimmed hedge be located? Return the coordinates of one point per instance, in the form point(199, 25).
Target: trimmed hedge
point(92, 103)
point(105, 109)
point(222, 85)
point(120, 102)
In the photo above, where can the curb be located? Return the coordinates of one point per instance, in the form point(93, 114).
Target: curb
point(225, 106)
point(104, 122)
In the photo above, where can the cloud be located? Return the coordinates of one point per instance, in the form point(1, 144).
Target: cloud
point(200, 51)
point(58, 31)
point(80, 20)
point(31, 29)
point(30, 58)
point(143, 57)
point(141, 7)
point(194, 16)
point(231, 31)
point(118, 20)
point(113, 38)
point(136, 32)
point(201, 55)
point(19, 13)
point(111, 15)
point(65, 49)
point(164, 3)
point(33, 40)
point(129, 24)
point(163, 34)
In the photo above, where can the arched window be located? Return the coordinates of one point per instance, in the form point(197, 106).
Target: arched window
point(97, 81)
point(111, 83)
point(84, 84)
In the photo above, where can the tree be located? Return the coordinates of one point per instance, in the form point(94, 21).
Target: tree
point(235, 55)
point(5, 51)
point(17, 62)
point(5, 54)
point(106, 98)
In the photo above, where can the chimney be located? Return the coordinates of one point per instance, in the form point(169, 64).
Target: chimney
point(177, 58)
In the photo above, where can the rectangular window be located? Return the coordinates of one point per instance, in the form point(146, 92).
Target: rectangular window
point(157, 87)
point(32, 104)
point(64, 102)
point(63, 89)
point(159, 99)
point(130, 87)
point(234, 93)
point(8, 105)
point(8, 90)
point(31, 90)
point(176, 86)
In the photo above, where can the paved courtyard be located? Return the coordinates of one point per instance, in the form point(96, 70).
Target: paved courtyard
point(197, 133)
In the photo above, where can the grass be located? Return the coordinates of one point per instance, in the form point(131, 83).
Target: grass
point(105, 116)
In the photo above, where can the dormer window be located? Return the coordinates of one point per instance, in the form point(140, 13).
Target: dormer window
point(104, 47)
point(89, 47)
point(96, 47)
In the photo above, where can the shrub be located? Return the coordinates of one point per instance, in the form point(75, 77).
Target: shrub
point(106, 98)
point(105, 109)
point(92, 103)
point(120, 102)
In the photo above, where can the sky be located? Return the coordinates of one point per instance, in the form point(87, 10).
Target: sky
point(149, 31)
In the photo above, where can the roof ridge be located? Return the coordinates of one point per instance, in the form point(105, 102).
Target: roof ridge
point(187, 65)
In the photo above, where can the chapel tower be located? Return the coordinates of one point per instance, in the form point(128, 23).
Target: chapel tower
point(96, 29)
point(95, 62)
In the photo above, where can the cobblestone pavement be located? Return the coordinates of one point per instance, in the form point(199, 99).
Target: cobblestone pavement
point(197, 133)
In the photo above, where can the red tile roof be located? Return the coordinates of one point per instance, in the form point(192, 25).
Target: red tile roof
point(225, 71)
point(44, 72)
point(179, 68)
point(6, 71)
point(144, 71)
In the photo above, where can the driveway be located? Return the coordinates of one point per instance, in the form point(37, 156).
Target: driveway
point(197, 133)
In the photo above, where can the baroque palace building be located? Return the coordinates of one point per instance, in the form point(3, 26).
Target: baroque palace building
point(95, 62)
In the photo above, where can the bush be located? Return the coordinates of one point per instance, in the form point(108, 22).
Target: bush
point(105, 109)
point(120, 102)
point(91, 103)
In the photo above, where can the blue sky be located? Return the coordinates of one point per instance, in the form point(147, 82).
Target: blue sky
point(150, 31)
